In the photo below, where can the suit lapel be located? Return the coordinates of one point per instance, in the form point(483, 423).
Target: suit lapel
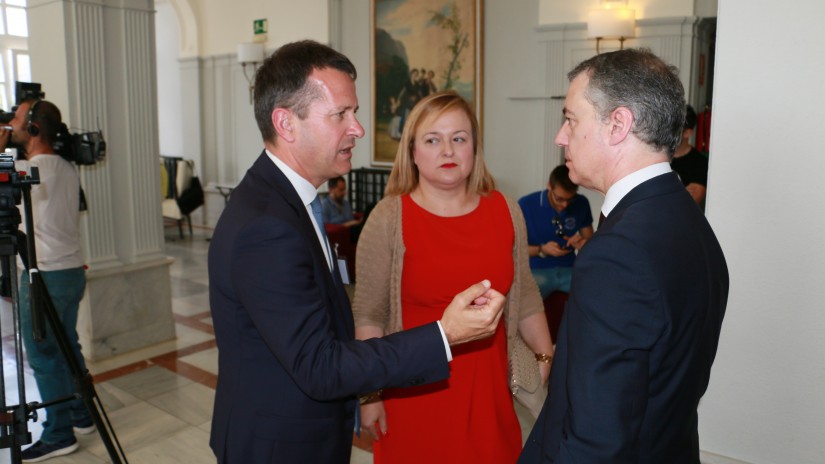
point(329, 282)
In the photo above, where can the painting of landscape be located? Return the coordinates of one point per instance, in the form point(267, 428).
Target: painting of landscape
point(420, 47)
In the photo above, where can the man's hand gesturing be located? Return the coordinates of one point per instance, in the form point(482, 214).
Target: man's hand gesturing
point(473, 314)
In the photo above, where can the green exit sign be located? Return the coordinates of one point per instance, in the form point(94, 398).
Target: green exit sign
point(260, 26)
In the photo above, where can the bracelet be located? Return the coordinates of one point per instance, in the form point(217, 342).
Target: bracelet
point(544, 357)
point(370, 397)
point(541, 253)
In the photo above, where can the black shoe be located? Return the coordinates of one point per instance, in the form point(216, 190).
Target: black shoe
point(84, 426)
point(41, 451)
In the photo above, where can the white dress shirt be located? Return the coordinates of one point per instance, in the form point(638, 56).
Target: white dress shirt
point(627, 183)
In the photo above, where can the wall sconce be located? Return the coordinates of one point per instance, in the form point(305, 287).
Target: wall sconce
point(613, 21)
point(250, 55)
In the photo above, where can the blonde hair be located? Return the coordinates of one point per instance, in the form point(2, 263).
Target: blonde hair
point(404, 176)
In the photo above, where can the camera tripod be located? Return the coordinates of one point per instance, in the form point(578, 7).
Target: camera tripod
point(13, 418)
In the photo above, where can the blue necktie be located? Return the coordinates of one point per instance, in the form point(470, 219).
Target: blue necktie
point(319, 219)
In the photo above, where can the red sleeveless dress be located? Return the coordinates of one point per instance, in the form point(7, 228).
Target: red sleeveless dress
point(468, 418)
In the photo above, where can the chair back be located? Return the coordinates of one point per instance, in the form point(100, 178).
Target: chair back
point(185, 173)
point(180, 189)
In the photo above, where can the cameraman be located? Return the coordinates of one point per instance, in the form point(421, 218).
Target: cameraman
point(55, 210)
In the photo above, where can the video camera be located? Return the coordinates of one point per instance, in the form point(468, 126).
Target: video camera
point(22, 91)
point(11, 184)
point(85, 148)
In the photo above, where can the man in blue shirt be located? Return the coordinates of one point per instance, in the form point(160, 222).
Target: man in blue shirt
point(558, 223)
point(337, 209)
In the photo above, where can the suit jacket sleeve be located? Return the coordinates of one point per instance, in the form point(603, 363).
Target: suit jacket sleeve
point(277, 280)
point(618, 320)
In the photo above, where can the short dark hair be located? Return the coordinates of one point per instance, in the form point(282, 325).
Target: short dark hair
point(281, 82)
point(561, 176)
point(640, 81)
point(690, 117)
point(332, 183)
point(46, 116)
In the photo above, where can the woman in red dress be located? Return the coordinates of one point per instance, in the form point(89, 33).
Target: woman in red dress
point(441, 227)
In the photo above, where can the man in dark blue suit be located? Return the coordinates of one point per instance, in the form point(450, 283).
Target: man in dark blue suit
point(290, 371)
point(649, 290)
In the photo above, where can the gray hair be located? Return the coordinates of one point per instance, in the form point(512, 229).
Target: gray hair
point(640, 81)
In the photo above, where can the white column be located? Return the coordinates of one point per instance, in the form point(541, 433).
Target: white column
point(96, 61)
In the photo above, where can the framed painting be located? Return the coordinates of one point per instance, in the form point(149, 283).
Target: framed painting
point(420, 47)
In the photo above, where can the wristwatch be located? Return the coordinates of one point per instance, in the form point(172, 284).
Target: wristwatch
point(541, 253)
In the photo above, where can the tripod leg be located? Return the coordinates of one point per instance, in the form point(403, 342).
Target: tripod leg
point(59, 327)
point(14, 429)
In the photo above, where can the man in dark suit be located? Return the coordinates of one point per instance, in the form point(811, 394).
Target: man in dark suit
point(290, 371)
point(649, 290)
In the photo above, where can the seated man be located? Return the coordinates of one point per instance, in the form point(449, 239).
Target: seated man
point(558, 223)
point(337, 209)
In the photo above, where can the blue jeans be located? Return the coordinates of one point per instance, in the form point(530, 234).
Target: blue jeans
point(51, 371)
point(553, 279)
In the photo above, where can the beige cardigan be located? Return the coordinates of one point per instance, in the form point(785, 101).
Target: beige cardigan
point(380, 259)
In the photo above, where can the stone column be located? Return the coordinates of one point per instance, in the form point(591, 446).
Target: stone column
point(96, 61)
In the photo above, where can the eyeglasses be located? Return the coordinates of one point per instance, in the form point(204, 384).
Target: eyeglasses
point(562, 200)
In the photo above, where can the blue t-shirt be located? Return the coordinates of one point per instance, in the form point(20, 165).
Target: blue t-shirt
point(539, 215)
point(335, 215)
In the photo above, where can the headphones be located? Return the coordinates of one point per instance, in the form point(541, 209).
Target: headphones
point(33, 130)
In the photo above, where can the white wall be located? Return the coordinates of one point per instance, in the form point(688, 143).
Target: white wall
point(170, 112)
point(355, 43)
point(224, 24)
point(766, 402)
point(517, 142)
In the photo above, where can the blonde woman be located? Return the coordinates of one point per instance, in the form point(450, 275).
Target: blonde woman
point(442, 226)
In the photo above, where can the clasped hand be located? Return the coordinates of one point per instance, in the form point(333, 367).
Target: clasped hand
point(576, 241)
point(473, 314)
